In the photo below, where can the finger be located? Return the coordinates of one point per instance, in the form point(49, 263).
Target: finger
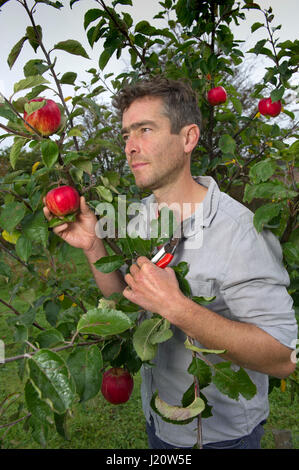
point(130, 281)
point(47, 213)
point(83, 206)
point(141, 260)
point(60, 228)
point(134, 269)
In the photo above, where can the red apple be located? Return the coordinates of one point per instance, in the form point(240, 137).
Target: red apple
point(217, 95)
point(267, 108)
point(46, 119)
point(117, 385)
point(63, 200)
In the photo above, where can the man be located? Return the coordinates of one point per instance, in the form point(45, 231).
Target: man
point(251, 318)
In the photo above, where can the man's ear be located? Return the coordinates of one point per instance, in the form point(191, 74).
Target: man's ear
point(191, 135)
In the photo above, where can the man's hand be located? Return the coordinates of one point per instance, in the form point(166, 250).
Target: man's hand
point(80, 234)
point(152, 288)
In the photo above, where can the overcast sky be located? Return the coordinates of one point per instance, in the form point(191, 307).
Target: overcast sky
point(60, 25)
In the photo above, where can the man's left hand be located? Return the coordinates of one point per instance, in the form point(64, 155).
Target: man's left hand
point(153, 288)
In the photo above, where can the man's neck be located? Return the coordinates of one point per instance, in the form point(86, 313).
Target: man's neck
point(184, 193)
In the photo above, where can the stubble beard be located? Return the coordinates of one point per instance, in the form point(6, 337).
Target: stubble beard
point(161, 180)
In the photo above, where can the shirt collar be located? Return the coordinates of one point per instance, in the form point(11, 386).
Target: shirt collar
point(209, 204)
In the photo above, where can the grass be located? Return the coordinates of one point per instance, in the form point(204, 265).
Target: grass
point(99, 425)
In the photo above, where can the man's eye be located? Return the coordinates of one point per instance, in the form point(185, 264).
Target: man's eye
point(125, 137)
point(145, 129)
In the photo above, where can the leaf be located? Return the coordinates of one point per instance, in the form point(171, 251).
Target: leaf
point(11, 215)
point(202, 371)
point(11, 237)
point(108, 264)
point(29, 82)
point(35, 228)
point(50, 152)
point(233, 383)
point(15, 151)
point(264, 214)
point(85, 365)
point(92, 15)
point(291, 252)
point(39, 408)
point(60, 425)
point(277, 95)
point(39, 431)
point(105, 56)
point(104, 193)
point(34, 36)
point(34, 106)
point(23, 248)
point(256, 26)
point(51, 310)
point(68, 78)
point(49, 338)
point(227, 144)
point(177, 414)
point(203, 300)
point(104, 322)
point(142, 338)
point(72, 47)
point(190, 346)
point(262, 171)
point(14, 53)
point(61, 220)
point(35, 67)
point(268, 190)
point(50, 375)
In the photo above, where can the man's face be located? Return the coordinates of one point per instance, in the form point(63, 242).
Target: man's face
point(156, 157)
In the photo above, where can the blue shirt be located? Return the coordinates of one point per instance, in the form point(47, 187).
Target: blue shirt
point(244, 270)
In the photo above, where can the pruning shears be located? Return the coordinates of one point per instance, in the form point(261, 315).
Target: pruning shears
point(163, 257)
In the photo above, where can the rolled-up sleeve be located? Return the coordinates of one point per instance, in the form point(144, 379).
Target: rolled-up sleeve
point(255, 284)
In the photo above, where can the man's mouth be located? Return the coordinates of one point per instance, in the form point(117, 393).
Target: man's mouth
point(138, 165)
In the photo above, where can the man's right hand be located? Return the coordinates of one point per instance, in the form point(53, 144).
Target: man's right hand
point(81, 233)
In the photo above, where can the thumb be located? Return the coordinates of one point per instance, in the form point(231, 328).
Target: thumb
point(83, 206)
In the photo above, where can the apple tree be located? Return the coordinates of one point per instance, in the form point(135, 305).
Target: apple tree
point(68, 334)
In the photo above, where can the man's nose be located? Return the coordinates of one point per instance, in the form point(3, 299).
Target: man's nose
point(132, 145)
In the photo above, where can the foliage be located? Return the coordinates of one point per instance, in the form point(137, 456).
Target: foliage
point(251, 157)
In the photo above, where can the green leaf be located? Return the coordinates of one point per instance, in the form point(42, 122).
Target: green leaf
point(34, 106)
point(92, 15)
point(105, 56)
point(268, 190)
point(236, 104)
point(227, 144)
point(39, 431)
point(203, 300)
point(142, 339)
point(50, 152)
point(51, 310)
point(29, 82)
point(256, 26)
point(49, 338)
point(35, 67)
point(15, 150)
point(264, 214)
point(104, 322)
point(85, 365)
point(291, 252)
point(39, 408)
point(177, 414)
point(23, 248)
point(104, 193)
point(60, 425)
point(122, 2)
point(72, 47)
point(35, 228)
point(11, 215)
point(61, 220)
point(50, 375)
point(68, 78)
point(233, 383)
point(202, 371)
point(277, 95)
point(262, 171)
point(190, 346)
point(108, 264)
point(14, 53)
point(34, 36)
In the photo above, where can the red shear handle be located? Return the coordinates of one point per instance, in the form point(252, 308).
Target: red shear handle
point(162, 263)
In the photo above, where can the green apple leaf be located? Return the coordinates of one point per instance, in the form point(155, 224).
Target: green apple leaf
point(15, 150)
point(29, 82)
point(14, 53)
point(108, 264)
point(11, 215)
point(190, 346)
point(104, 322)
point(85, 365)
point(51, 377)
point(147, 336)
point(177, 414)
point(35, 405)
point(73, 47)
point(232, 383)
point(35, 228)
point(50, 152)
